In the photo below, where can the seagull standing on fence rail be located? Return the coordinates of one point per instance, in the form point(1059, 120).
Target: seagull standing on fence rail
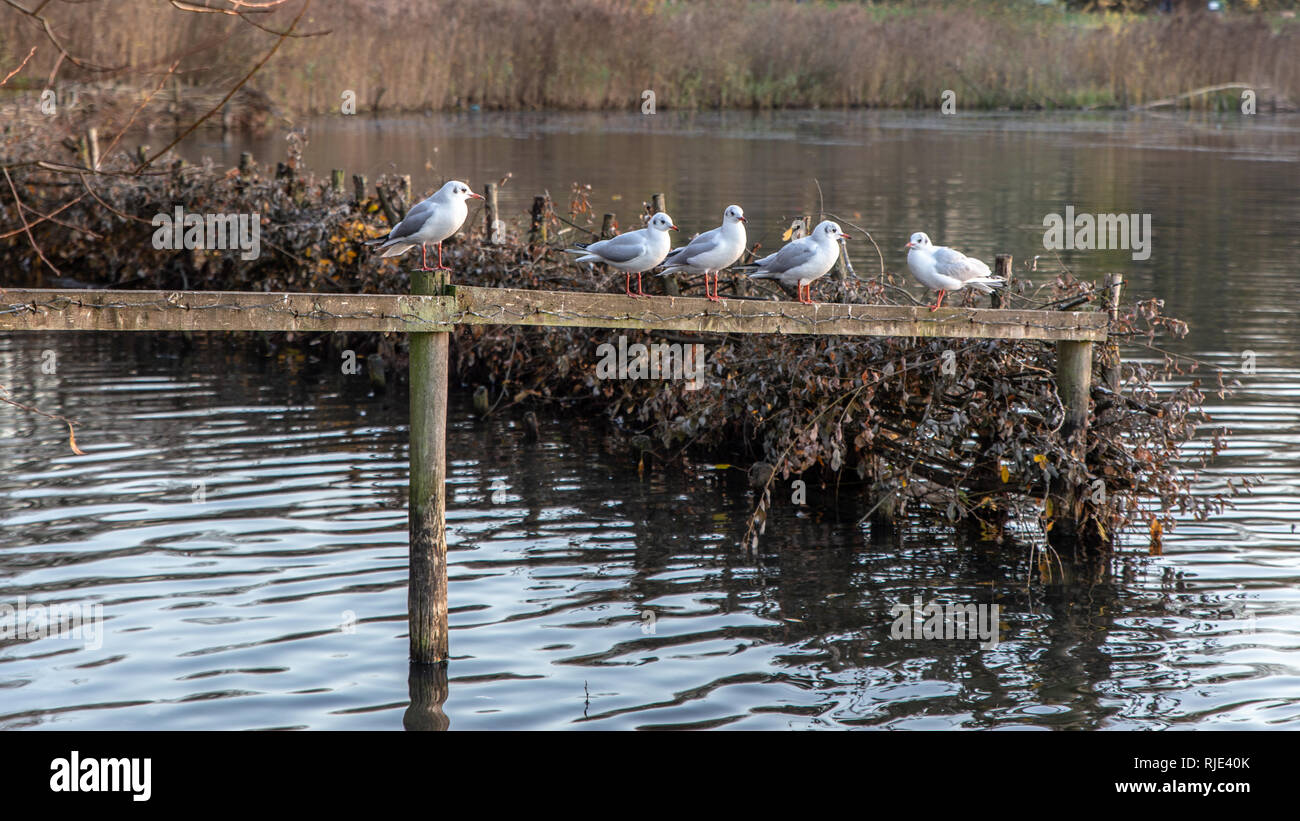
point(942, 269)
point(632, 253)
point(432, 220)
point(711, 251)
point(805, 260)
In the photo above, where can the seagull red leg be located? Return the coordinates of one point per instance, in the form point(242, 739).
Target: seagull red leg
point(424, 257)
point(939, 301)
point(441, 267)
point(639, 292)
point(627, 286)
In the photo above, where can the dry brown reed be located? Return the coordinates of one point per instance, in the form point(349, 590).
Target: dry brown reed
point(602, 54)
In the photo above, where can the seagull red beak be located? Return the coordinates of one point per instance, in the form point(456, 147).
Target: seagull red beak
point(742, 219)
point(474, 196)
point(909, 245)
point(672, 228)
point(845, 236)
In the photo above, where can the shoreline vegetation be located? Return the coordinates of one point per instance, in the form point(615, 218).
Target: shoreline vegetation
point(403, 57)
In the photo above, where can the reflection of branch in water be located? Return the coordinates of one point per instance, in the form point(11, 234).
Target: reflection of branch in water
point(72, 437)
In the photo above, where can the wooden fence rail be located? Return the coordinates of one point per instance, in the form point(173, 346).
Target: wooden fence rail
point(82, 310)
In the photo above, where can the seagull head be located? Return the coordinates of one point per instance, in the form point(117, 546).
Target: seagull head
point(918, 240)
point(457, 190)
point(734, 214)
point(829, 230)
point(662, 222)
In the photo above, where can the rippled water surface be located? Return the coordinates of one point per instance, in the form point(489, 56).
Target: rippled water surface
point(240, 516)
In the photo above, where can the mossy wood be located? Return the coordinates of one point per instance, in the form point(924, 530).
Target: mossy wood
point(90, 310)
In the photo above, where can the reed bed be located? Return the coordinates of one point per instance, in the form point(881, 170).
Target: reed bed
point(604, 54)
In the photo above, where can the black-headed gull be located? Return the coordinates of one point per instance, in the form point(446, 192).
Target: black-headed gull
point(632, 253)
point(711, 251)
point(942, 269)
point(805, 260)
point(432, 220)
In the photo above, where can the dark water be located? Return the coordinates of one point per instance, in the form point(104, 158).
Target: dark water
point(240, 518)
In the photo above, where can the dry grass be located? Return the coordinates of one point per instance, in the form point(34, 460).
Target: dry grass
point(601, 54)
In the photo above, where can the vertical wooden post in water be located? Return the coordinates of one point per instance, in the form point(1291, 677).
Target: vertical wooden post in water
point(537, 232)
point(1073, 383)
point(1114, 284)
point(427, 587)
point(607, 226)
point(1001, 268)
point(490, 214)
point(657, 204)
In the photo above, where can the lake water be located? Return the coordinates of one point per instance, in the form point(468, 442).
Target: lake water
point(240, 517)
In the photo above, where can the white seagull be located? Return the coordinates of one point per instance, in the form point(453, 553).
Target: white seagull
point(805, 260)
point(632, 253)
point(432, 220)
point(711, 251)
point(942, 269)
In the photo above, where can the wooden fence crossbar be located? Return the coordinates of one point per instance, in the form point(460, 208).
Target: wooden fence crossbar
point(89, 310)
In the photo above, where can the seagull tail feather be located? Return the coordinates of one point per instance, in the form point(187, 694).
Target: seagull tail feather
point(398, 249)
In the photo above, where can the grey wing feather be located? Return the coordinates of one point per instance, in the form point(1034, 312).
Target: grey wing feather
point(956, 264)
point(412, 222)
point(623, 248)
point(702, 244)
point(791, 256)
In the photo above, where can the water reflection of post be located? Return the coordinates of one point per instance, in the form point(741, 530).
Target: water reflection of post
point(427, 684)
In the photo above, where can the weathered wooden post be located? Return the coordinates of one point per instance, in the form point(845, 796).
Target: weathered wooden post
point(92, 147)
point(657, 204)
point(359, 185)
point(490, 214)
point(426, 594)
point(1073, 380)
point(537, 231)
point(1112, 374)
point(607, 226)
point(336, 180)
point(245, 163)
point(1001, 268)
point(404, 191)
point(392, 211)
point(1073, 386)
